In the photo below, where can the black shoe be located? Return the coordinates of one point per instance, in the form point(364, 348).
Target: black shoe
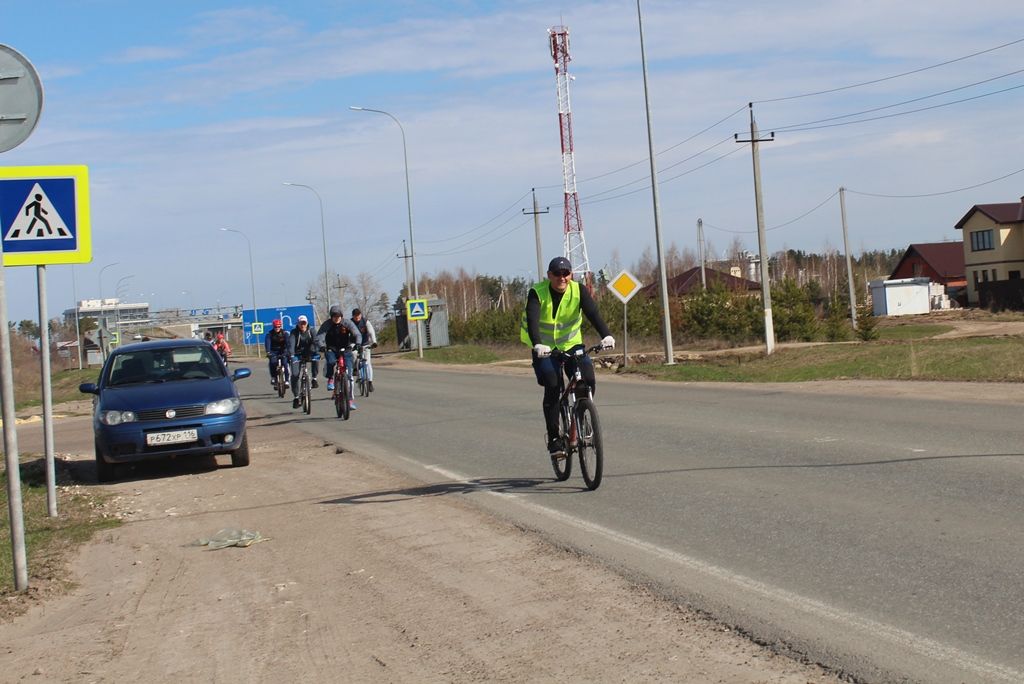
point(295, 402)
point(369, 385)
point(556, 449)
point(315, 383)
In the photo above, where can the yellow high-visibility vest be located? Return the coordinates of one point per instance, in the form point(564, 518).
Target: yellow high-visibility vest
point(562, 329)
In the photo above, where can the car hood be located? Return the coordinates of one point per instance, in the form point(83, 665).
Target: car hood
point(166, 394)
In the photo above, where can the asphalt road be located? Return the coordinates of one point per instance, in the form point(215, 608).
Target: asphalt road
point(880, 535)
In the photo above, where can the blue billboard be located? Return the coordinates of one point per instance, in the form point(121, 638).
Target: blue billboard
point(288, 315)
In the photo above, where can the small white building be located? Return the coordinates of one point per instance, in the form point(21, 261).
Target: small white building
point(902, 297)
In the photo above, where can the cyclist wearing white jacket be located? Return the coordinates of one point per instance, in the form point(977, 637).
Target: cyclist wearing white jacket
point(369, 341)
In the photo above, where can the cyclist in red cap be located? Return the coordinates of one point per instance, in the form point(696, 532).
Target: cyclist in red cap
point(222, 347)
point(276, 342)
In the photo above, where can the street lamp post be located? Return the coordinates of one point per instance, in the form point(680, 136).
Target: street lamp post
point(117, 307)
point(103, 351)
point(408, 202)
point(323, 235)
point(252, 283)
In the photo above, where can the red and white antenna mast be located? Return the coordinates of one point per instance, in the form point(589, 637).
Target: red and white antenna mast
point(575, 247)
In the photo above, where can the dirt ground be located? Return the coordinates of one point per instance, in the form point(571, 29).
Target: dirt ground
point(364, 576)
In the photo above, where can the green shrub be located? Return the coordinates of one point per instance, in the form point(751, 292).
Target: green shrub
point(866, 323)
point(793, 313)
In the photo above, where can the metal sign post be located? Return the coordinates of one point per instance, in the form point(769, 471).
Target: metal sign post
point(624, 286)
point(44, 353)
point(22, 104)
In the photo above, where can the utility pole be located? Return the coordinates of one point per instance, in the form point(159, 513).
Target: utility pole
point(700, 248)
point(762, 244)
point(405, 262)
point(536, 232)
point(849, 261)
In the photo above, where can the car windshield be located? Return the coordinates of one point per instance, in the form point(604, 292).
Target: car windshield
point(165, 365)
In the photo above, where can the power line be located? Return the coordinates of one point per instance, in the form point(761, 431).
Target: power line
point(897, 104)
point(482, 225)
point(645, 159)
point(894, 76)
point(461, 251)
point(666, 180)
point(936, 194)
point(779, 225)
point(909, 111)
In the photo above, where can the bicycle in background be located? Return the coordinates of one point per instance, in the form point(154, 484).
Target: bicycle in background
point(305, 382)
point(279, 381)
point(580, 426)
point(342, 396)
point(359, 375)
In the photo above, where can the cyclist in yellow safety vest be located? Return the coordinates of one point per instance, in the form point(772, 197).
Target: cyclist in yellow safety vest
point(554, 320)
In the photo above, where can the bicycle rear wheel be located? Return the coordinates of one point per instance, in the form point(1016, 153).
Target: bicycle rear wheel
point(589, 444)
point(563, 466)
point(307, 396)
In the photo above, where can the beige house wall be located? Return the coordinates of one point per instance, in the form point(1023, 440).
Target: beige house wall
point(1006, 255)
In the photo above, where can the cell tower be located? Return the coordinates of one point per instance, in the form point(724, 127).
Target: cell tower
point(575, 246)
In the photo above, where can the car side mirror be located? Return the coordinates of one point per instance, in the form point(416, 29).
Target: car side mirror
point(241, 373)
point(88, 388)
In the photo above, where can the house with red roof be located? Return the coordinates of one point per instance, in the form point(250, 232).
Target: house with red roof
point(993, 245)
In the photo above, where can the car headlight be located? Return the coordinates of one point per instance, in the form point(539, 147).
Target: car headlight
point(117, 417)
point(223, 407)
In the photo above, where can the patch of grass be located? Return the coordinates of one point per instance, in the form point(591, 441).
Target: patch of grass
point(912, 332)
point(459, 354)
point(63, 387)
point(47, 540)
point(967, 359)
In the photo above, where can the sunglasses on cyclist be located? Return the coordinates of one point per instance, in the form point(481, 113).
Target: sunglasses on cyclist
point(562, 273)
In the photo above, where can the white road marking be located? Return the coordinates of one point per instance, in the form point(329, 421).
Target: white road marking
point(924, 646)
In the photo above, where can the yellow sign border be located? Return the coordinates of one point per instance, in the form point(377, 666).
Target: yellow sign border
point(408, 310)
point(80, 174)
point(254, 325)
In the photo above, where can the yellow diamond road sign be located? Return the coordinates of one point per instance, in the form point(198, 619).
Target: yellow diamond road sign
point(624, 286)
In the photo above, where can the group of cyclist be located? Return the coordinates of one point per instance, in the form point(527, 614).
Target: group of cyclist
point(337, 336)
point(552, 321)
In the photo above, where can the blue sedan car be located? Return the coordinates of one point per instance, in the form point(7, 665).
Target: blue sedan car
point(163, 399)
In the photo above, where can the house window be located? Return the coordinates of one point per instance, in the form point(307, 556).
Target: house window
point(994, 278)
point(975, 279)
point(1013, 275)
point(984, 276)
point(981, 240)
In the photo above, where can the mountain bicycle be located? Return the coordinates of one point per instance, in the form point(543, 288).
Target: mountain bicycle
point(305, 383)
point(580, 426)
point(342, 396)
point(279, 380)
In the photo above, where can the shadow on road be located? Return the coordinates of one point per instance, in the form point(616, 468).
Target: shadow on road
point(854, 464)
point(499, 485)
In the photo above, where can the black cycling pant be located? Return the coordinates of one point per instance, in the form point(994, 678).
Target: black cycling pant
point(546, 370)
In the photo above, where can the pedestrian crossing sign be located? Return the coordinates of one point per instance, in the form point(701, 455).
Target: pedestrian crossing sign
point(416, 310)
point(257, 328)
point(44, 215)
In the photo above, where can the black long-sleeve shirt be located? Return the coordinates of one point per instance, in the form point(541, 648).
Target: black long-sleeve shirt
point(587, 305)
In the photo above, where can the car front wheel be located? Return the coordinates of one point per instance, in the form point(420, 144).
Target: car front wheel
point(240, 456)
point(104, 471)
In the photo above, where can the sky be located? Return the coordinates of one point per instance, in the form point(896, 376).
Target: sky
point(191, 116)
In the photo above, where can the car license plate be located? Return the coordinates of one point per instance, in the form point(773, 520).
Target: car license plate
point(176, 437)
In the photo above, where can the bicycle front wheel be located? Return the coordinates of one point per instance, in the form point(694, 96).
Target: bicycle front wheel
point(589, 443)
point(280, 382)
point(307, 398)
point(563, 466)
point(343, 398)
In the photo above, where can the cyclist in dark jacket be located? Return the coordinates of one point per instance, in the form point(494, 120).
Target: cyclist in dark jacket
point(302, 345)
point(335, 335)
point(276, 342)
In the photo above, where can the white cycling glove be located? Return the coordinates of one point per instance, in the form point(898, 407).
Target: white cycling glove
point(542, 351)
point(608, 342)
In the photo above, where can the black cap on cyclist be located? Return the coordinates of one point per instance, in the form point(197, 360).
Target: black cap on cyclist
point(336, 310)
point(559, 264)
point(356, 312)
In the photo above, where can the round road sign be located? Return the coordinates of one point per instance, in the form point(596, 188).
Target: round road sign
point(21, 98)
